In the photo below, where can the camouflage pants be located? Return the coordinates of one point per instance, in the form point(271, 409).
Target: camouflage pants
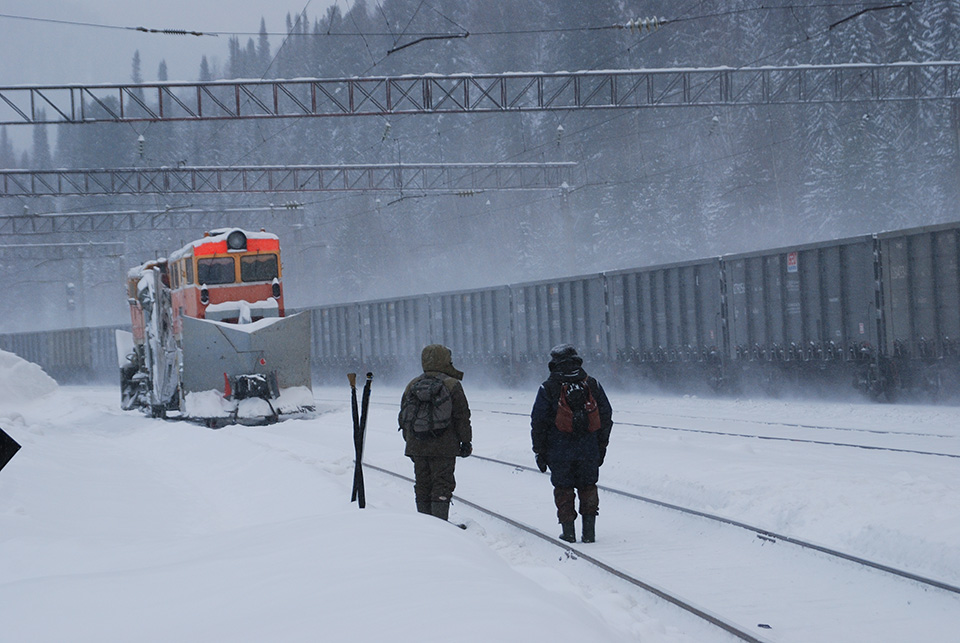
point(434, 480)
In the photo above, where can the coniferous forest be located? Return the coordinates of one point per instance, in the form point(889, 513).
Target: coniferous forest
point(651, 185)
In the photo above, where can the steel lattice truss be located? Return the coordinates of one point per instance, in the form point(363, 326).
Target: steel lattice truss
point(431, 177)
point(110, 223)
point(60, 251)
point(458, 93)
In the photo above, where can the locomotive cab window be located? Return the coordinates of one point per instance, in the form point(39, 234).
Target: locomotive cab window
point(216, 270)
point(259, 268)
point(189, 265)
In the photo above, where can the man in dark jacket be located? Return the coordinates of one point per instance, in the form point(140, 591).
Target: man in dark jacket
point(573, 456)
point(435, 455)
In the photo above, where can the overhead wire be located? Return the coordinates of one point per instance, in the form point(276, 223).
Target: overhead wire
point(77, 23)
point(500, 32)
point(555, 30)
point(775, 143)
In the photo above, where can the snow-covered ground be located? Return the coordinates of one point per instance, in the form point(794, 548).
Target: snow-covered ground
point(117, 527)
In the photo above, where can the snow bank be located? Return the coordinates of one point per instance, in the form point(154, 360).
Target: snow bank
point(212, 404)
point(117, 527)
point(22, 381)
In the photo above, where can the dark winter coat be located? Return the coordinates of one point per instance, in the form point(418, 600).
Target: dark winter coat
point(437, 361)
point(548, 440)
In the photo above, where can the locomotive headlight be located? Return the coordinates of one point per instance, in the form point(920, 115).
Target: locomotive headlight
point(204, 295)
point(275, 287)
point(236, 240)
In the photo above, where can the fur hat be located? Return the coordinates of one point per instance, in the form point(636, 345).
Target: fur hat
point(563, 351)
point(564, 357)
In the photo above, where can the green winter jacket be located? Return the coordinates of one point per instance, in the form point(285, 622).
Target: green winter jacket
point(437, 360)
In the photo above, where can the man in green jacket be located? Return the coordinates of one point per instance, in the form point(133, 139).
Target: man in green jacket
point(434, 452)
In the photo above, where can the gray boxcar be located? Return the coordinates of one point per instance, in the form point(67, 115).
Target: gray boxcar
point(549, 313)
point(666, 313)
point(393, 332)
point(475, 324)
point(920, 273)
point(336, 333)
point(804, 303)
point(921, 291)
point(71, 356)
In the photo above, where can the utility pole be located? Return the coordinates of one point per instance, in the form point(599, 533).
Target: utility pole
point(955, 117)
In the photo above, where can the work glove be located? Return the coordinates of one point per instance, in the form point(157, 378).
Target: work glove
point(542, 462)
point(465, 449)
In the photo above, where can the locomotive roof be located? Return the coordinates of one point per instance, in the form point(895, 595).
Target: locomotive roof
point(217, 236)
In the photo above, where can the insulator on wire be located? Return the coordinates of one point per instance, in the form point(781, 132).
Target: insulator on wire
point(639, 24)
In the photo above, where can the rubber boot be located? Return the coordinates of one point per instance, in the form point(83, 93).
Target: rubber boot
point(440, 509)
point(569, 534)
point(424, 507)
point(589, 529)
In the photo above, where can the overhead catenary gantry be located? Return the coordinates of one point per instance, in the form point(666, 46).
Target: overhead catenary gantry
point(481, 93)
point(116, 221)
point(60, 251)
point(422, 177)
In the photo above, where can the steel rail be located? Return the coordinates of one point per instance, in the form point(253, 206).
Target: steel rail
point(764, 534)
point(801, 440)
point(713, 619)
point(821, 427)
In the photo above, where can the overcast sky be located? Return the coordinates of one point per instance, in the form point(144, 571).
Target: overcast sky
point(64, 53)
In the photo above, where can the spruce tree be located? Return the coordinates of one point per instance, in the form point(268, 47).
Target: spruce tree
point(42, 159)
point(7, 155)
point(263, 50)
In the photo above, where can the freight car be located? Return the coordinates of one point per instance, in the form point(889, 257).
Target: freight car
point(919, 277)
point(210, 337)
point(804, 314)
point(70, 356)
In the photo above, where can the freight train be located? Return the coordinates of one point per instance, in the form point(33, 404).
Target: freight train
point(878, 311)
point(211, 340)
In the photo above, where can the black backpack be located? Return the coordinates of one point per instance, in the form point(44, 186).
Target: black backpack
point(426, 409)
point(577, 409)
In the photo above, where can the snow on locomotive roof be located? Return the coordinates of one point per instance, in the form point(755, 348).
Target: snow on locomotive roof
point(220, 235)
point(137, 271)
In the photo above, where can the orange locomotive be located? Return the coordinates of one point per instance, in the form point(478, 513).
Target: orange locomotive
point(210, 338)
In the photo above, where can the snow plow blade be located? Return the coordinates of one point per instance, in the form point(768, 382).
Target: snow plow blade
point(223, 362)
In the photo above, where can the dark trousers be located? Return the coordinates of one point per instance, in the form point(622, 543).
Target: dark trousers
point(571, 478)
point(434, 480)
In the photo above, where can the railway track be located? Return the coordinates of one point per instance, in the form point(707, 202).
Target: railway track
point(761, 533)
point(714, 620)
point(780, 438)
point(934, 437)
point(753, 584)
